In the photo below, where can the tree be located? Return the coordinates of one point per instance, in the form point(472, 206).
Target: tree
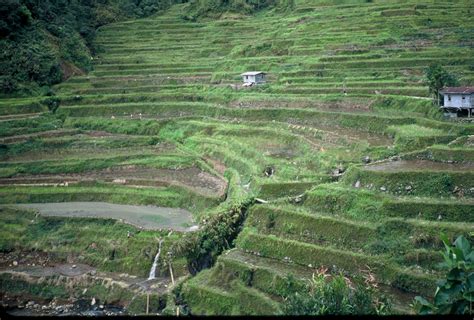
point(52, 103)
point(455, 294)
point(437, 78)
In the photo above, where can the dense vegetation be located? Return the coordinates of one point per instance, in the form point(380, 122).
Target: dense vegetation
point(44, 42)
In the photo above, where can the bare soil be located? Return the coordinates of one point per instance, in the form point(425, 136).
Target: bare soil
point(217, 165)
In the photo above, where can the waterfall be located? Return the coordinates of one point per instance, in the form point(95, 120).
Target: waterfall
point(155, 262)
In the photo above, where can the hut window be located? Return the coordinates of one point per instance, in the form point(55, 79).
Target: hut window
point(449, 97)
point(464, 97)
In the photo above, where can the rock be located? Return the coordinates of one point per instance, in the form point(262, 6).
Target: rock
point(456, 189)
point(15, 263)
point(357, 184)
point(74, 266)
point(84, 291)
point(93, 273)
point(269, 171)
point(93, 302)
point(439, 217)
point(408, 188)
point(101, 306)
point(44, 308)
point(382, 188)
point(193, 228)
point(30, 304)
point(366, 159)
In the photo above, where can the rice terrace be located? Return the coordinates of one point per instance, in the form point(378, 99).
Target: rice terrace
point(236, 157)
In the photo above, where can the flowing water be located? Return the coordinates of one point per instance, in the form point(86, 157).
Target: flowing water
point(155, 262)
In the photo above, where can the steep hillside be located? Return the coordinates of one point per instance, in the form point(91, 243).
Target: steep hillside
point(357, 169)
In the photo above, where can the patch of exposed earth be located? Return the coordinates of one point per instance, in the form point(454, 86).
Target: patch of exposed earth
point(217, 165)
point(146, 217)
point(192, 178)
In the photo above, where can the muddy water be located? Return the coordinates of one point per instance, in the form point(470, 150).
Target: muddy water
point(147, 217)
point(418, 165)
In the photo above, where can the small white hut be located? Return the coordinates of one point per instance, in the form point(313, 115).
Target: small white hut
point(253, 77)
point(458, 100)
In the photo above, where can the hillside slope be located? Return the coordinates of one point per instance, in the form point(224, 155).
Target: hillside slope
point(345, 87)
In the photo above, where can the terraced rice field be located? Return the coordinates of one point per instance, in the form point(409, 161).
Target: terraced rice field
point(163, 120)
point(150, 218)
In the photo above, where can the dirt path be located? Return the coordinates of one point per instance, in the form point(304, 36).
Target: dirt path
point(147, 217)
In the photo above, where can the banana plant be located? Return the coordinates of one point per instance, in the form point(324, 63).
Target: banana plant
point(455, 294)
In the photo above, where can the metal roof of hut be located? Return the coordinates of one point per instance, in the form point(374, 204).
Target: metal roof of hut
point(252, 73)
point(460, 90)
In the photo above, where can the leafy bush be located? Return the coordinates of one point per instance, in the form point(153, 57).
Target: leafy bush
point(42, 41)
point(52, 103)
point(455, 294)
